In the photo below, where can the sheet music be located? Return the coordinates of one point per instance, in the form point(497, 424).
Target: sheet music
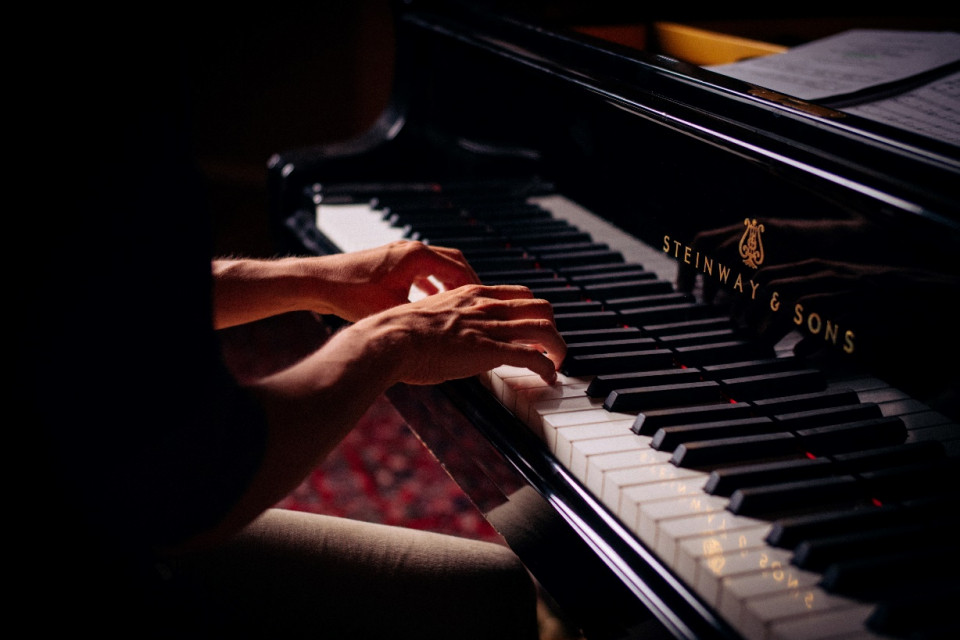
point(860, 59)
point(933, 109)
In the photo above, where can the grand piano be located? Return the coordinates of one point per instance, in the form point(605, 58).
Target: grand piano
point(754, 433)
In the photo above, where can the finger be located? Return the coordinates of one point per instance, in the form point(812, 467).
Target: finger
point(530, 357)
point(426, 286)
point(451, 268)
point(506, 292)
point(540, 334)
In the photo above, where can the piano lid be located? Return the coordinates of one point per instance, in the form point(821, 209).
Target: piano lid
point(809, 223)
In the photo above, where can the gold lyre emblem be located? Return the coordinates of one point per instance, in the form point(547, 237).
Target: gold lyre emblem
point(751, 246)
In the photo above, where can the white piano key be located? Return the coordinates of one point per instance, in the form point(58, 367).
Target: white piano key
point(352, 227)
point(563, 406)
point(653, 514)
point(737, 591)
point(627, 506)
point(706, 536)
point(528, 399)
point(628, 489)
point(713, 571)
point(516, 387)
point(581, 451)
point(521, 390)
point(761, 616)
point(566, 437)
point(599, 465)
point(583, 416)
point(500, 377)
point(847, 624)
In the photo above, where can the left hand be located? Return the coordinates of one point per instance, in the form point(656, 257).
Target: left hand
point(361, 283)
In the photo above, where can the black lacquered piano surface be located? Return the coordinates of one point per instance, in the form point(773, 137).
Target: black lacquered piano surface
point(754, 432)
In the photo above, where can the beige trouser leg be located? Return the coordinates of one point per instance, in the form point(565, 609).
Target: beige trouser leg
point(306, 575)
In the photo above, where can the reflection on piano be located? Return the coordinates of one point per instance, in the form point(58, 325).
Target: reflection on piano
point(754, 434)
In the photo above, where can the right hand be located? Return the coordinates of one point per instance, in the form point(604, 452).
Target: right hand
point(465, 331)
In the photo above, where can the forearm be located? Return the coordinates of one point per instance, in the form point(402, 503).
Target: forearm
point(245, 290)
point(309, 408)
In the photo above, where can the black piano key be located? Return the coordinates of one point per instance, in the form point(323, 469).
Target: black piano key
point(698, 337)
point(799, 495)
point(925, 610)
point(600, 269)
point(618, 274)
point(688, 326)
point(586, 320)
point(890, 457)
point(611, 346)
point(726, 451)
point(769, 385)
point(514, 224)
point(641, 316)
point(804, 401)
point(790, 531)
point(498, 252)
point(577, 306)
point(913, 480)
point(853, 436)
point(532, 281)
point(447, 217)
point(652, 300)
point(819, 553)
point(556, 294)
point(512, 262)
point(664, 395)
point(723, 482)
point(601, 386)
point(669, 438)
point(886, 575)
point(510, 275)
point(712, 353)
point(439, 231)
point(534, 238)
point(554, 245)
point(626, 288)
point(648, 422)
point(562, 259)
point(601, 363)
point(506, 211)
point(473, 244)
point(754, 367)
point(599, 335)
point(828, 415)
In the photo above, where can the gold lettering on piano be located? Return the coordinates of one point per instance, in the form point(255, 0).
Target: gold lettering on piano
point(751, 249)
point(815, 325)
point(751, 246)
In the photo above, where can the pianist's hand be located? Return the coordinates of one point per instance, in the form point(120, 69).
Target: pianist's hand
point(350, 285)
point(465, 331)
point(361, 283)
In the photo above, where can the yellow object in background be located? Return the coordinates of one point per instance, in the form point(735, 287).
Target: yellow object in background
point(702, 47)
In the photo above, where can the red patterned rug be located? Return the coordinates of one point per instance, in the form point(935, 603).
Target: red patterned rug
point(380, 472)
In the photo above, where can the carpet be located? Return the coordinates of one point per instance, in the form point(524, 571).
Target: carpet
point(380, 472)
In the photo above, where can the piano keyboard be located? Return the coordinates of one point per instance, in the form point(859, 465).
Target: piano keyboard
point(794, 504)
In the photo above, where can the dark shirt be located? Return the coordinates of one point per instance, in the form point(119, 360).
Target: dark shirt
point(139, 437)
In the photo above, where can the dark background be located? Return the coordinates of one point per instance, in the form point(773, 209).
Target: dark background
point(272, 79)
point(265, 81)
